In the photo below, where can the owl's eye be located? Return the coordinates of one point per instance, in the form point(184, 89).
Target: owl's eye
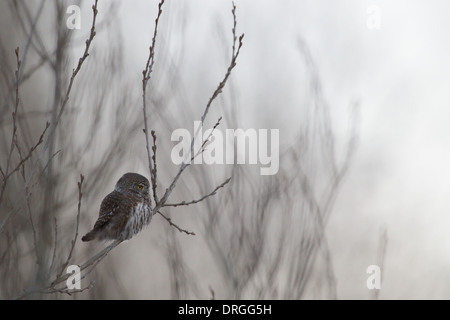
point(140, 187)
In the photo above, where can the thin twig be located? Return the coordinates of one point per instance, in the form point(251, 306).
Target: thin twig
point(213, 294)
point(80, 195)
point(29, 42)
point(68, 91)
point(8, 215)
point(234, 56)
point(146, 73)
point(93, 261)
point(69, 291)
point(50, 269)
point(28, 193)
point(171, 187)
point(204, 144)
point(30, 152)
point(218, 90)
point(6, 174)
point(174, 225)
point(154, 170)
point(184, 203)
point(383, 242)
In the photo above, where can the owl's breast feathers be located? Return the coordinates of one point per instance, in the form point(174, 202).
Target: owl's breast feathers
point(121, 216)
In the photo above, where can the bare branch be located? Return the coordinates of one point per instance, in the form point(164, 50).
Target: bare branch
point(204, 143)
point(50, 269)
point(91, 262)
point(213, 294)
point(8, 215)
point(80, 195)
point(184, 203)
point(174, 225)
point(235, 54)
point(154, 171)
point(171, 187)
point(69, 89)
point(30, 152)
point(68, 291)
point(6, 174)
point(146, 73)
point(383, 242)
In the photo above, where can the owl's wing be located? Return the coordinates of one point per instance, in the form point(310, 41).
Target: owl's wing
point(108, 209)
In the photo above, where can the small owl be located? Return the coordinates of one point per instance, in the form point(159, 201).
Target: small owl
point(123, 212)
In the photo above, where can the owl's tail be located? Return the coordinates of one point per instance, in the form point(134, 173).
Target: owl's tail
point(89, 236)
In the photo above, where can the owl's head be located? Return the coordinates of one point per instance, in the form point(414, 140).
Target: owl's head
point(133, 183)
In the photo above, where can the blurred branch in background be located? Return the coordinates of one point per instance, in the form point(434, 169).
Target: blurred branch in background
point(383, 243)
point(264, 237)
point(268, 236)
point(36, 202)
point(47, 258)
point(161, 202)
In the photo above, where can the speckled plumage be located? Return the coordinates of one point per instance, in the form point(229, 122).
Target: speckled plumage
point(123, 212)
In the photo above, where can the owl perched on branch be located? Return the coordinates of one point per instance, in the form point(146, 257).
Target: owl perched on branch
point(123, 212)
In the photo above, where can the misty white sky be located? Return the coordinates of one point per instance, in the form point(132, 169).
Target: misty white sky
point(400, 74)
